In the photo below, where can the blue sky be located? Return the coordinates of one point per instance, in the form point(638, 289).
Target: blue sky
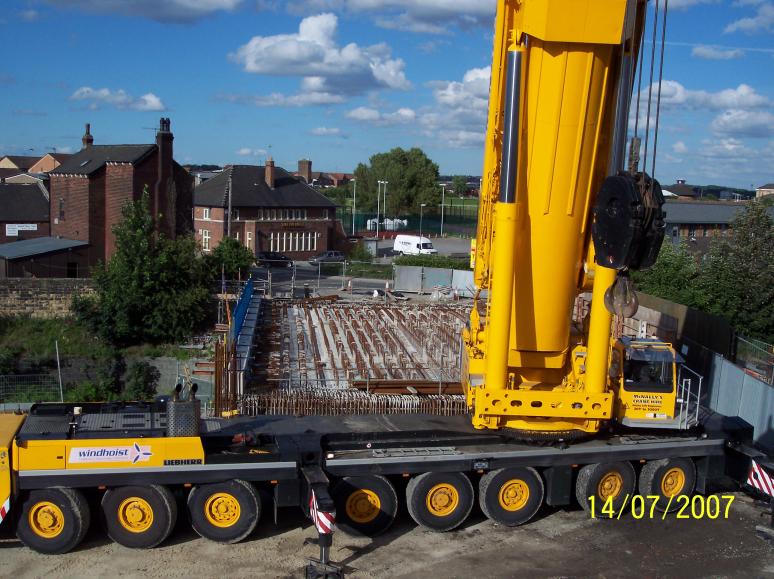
point(339, 80)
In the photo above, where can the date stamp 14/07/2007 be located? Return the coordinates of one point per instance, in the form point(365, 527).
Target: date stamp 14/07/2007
point(657, 507)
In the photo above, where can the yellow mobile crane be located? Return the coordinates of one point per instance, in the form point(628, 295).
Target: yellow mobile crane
point(559, 216)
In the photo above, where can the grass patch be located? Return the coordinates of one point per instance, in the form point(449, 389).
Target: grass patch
point(369, 270)
point(35, 339)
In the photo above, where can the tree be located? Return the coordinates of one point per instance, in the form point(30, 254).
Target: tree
point(672, 277)
point(412, 178)
point(153, 289)
point(459, 185)
point(142, 380)
point(231, 257)
point(736, 279)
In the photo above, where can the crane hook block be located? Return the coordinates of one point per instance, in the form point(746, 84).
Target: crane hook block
point(628, 222)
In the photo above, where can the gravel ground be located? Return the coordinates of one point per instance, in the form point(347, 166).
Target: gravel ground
point(560, 543)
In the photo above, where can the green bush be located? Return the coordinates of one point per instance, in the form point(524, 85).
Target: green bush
point(433, 261)
point(142, 380)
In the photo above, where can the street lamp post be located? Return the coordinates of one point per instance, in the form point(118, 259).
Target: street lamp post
point(443, 200)
point(384, 205)
point(354, 200)
point(421, 211)
point(378, 202)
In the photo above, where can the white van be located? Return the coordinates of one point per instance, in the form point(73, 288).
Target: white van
point(413, 245)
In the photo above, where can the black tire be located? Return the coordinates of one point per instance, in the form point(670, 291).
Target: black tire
point(120, 512)
point(224, 512)
point(511, 496)
point(665, 478)
point(593, 479)
point(53, 521)
point(431, 488)
point(365, 505)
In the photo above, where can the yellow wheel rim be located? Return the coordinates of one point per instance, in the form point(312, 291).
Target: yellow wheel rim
point(442, 500)
point(363, 506)
point(222, 510)
point(514, 495)
point(46, 519)
point(673, 482)
point(135, 515)
point(610, 485)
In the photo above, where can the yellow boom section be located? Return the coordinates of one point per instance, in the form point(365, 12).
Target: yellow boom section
point(533, 251)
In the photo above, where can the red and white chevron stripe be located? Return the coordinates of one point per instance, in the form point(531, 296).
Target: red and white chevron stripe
point(323, 521)
point(5, 508)
point(760, 479)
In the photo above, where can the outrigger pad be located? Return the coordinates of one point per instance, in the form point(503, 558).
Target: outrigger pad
point(629, 223)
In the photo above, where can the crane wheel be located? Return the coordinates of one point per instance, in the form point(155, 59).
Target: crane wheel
point(667, 478)
point(365, 505)
point(53, 521)
point(610, 483)
point(511, 496)
point(224, 512)
point(439, 501)
point(139, 517)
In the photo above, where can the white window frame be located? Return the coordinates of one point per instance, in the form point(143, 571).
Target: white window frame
point(205, 239)
point(249, 239)
point(206, 213)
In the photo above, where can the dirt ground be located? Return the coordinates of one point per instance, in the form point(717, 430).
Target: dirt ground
point(560, 543)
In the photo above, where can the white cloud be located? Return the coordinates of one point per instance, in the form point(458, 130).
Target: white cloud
point(763, 21)
point(282, 100)
point(326, 132)
point(422, 16)
point(249, 152)
point(329, 72)
point(740, 123)
point(401, 116)
point(716, 53)
point(679, 147)
point(459, 118)
point(674, 94)
point(29, 15)
point(120, 99)
point(159, 10)
point(684, 4)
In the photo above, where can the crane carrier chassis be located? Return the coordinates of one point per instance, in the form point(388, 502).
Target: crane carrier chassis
point(132, 459)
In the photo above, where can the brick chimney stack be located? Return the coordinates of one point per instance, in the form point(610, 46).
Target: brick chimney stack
point(305, 170)
point(269, 172)
point(163, 203)
point(87, 139)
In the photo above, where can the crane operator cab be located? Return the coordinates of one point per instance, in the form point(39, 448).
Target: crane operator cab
point(645, 372)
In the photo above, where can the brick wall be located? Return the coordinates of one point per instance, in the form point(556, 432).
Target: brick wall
point(74, 195)
point(118, 190)
point(41, 298)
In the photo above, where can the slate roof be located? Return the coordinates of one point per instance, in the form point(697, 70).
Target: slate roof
point(249, 189)
point(23, 202)
point(9, 173)
point(23, 162)
point(678, 212)
point(767, 186)
point(37, 246)
point(92, 159)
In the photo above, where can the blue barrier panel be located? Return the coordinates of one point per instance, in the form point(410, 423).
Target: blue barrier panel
point(240, 311)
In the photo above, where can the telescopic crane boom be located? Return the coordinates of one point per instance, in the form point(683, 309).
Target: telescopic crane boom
point(558, 216)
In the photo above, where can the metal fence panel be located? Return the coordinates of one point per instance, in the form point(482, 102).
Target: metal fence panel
point(408, 278)
point(28, 388)
point(436, 276)
point(735, 393)
point(462, 281)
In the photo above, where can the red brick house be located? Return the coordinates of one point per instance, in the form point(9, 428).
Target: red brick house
point(89, 189)
point(272, 210)
point(320, 178)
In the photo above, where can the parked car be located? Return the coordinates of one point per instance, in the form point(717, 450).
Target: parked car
point(327, 257)
point(413, 245)
point(272, 259)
